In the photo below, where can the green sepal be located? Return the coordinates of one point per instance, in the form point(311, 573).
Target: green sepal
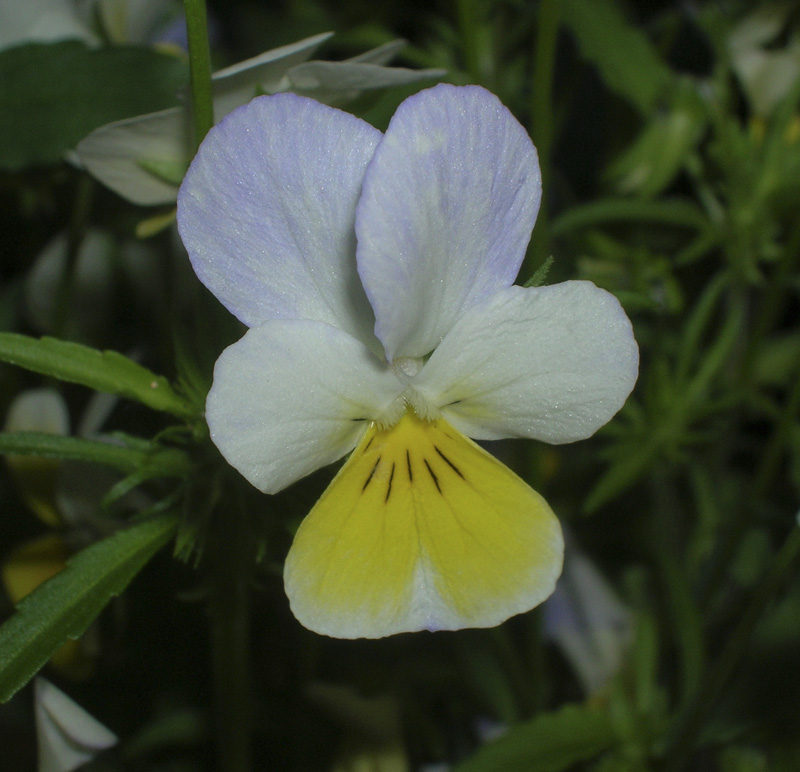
point(171, 172)
point(540, 274)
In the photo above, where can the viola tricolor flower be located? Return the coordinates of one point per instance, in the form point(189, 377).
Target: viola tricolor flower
point(375, 274)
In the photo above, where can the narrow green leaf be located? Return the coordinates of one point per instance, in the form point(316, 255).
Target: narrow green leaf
point(547, 743)
point(141, 462)
point(650, 163)
point(678, 212)
point(64, 606)
point(52, 95)
point(626, 60)
point(107, 371)
point(623, 473)
point(70, 448)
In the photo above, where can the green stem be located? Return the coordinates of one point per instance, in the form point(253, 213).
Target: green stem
point(691, 721)
point(468, 27)
point(81, 209)
point(230, 552)
point(542, 123)
point(199, 67)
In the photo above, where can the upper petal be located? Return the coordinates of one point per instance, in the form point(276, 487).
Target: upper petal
point(552, 363)
point(267, 211)
point(293, 396)
point(448, 205)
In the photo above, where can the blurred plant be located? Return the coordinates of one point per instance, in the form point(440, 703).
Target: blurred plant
point(669, 143)
point(144, 158)
point(68, 737)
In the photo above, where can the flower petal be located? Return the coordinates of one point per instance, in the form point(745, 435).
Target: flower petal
point(67, 736)
point(238, 84)
point(421, 529)
point(449, 202)
point(118, 154)
point(552, 363)
point(339, 82)
point(293, 396)
point(267, 207)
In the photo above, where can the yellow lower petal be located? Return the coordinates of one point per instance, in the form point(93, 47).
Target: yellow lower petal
point(421, 529)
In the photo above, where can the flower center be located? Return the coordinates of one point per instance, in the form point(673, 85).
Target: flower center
point(405, 368)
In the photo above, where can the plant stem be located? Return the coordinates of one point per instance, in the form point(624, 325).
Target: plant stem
point(199, 68)
point(467, 23)
point(230, 550)
point(542, 122)
point(81, 209)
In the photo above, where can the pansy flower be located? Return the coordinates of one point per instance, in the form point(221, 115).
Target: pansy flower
point(375, 274)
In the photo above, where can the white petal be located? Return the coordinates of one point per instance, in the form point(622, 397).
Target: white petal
point(115, 154)
point(382, 54)
point(41, 21)
point(67, 736)
point(131, 21)
point(38, 410)
point(92, 274)
point(293, 396)
point(238, 84)
point(449, 202)
point(552, 363)
point(266, 212)
point(337, 82)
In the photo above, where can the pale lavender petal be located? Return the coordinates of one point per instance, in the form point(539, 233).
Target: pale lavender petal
point(449, 202)
point(266, 212)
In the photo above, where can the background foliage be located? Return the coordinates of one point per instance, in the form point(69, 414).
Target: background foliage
point(670, 147)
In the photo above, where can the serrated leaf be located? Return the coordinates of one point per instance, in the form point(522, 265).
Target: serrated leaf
point(625, 58)
point(550, 742)
point(107, 371)
point(67, 604)
point(53, 95)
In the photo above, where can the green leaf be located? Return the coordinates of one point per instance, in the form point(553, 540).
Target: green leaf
point(659, 153)
point(547, 743)
point(64, 606)
point(631, 464)
point(106, 371)
point(53, 95)
point(678, 212)
point(171, 461)
point(626, 60)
